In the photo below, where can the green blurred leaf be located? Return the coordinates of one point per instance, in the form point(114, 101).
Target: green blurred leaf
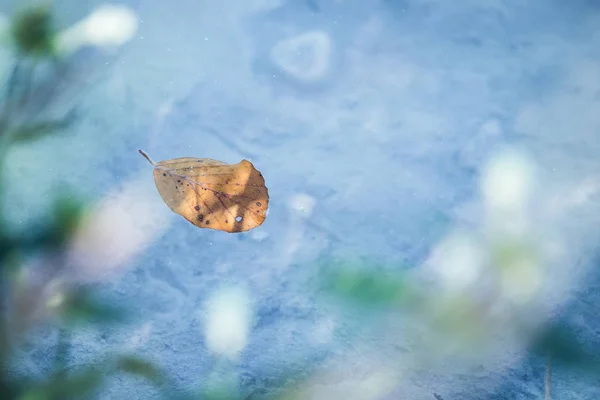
point(33, 31)
point(81, 307)
point(66, 213)
point(370, 288)
point(8, 388)
point(51, 234)
point(140, 367)
point(7, 247)
point(80, 384)
point(565, 349)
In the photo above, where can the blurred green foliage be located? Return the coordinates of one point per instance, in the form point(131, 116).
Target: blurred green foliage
point(32, 34)
point(362, 285)
point(566, 350)
point(33, 31)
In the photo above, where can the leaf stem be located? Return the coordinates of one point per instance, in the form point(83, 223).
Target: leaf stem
point(147, 157)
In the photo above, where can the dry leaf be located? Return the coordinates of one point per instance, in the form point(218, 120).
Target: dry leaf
point(213, 194)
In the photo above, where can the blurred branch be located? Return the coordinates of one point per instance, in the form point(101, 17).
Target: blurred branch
point(7, 100)
point(29, 133)
point(548, 379)
point(63, 344)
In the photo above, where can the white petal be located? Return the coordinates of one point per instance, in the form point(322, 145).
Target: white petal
point(228, 319)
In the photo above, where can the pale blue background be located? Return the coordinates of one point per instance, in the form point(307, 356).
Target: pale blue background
point(388, 143)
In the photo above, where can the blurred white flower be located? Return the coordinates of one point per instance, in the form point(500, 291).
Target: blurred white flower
point(508, 181)
point(508, 186)
point(56, 301)
point(458, 260)
point(107, 26)
point(227, 321)
point(373, 385)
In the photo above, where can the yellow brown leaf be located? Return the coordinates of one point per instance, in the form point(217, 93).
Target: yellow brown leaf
point(213, 194)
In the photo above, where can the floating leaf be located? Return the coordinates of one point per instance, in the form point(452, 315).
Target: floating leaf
point(213, 194)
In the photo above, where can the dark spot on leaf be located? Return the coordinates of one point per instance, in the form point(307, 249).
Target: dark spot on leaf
point(178, 180)
point(175, 187)
point(164, 174)
point(197, 208)
point(207, 222)
point(258, 203)
point(226, 221)
point(238, 218)
point(200, 217)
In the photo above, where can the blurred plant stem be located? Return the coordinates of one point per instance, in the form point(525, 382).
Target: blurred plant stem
point(548, 378)
point(5, 137)
point(63, 342)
